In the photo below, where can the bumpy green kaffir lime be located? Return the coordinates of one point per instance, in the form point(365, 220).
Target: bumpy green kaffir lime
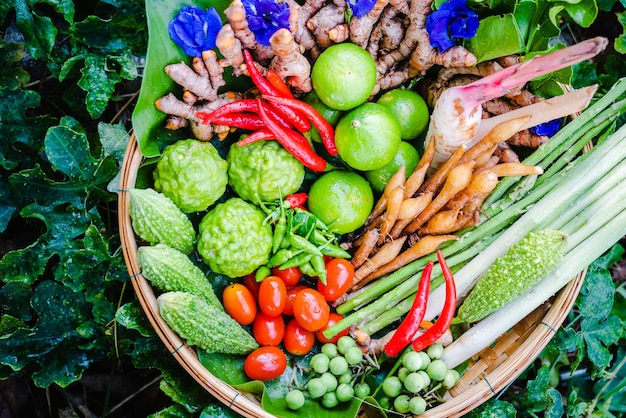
point(263, 171)
point(233, 239)
point(192, 174)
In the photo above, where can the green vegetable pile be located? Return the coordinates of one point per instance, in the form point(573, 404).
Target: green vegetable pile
point(69, 78)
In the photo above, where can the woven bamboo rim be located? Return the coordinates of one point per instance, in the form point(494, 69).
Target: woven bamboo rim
point(491, 371)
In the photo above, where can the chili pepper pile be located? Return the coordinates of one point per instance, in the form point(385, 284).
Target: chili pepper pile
point(411, 323)
point(277, 115)
point(300, 239)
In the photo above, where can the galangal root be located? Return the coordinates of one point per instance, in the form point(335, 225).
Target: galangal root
point(393, 32)
point(415, 215)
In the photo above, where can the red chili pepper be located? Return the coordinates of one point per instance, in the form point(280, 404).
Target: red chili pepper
point(293, 142)
point(278, 83)
point(296, 200)
point(242, 120)
point(238, 107)
point(442, 324)
point(259, 135)
point(267, 89)
point(325, 129)
point(411, 324)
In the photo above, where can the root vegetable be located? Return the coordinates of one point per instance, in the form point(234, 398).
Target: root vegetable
point(416, 179)
point(361, 27)
point(236, 15)
point(368, 242)
point(230, 48)
point(456, 181)
point(422, 247)
point(323, 21)
point(289, 63)
point(392, 213)
point(383, 257)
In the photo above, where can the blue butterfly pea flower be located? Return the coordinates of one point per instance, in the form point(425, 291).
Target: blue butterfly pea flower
point(361, 7)
point(547, 128)
point(452, 21)
point(265, 17)
point(195, 30)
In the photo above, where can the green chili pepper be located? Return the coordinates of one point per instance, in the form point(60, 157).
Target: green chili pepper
point(334, 251)
point(280, 231)
point(296, 261)
point(261, 273)
point(300, 242)
point(307, 269)
point(282, 256)
point(319, 266)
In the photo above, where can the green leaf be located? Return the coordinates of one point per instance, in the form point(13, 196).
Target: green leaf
point(620, 41)
point(582, 12)
point(52, 348)
point(15, 300)
point(494, 408)
point(11, 75)
point(132, 316)
point(20, 134)
point(7, 207)
point(496, 36)
point(114, 139)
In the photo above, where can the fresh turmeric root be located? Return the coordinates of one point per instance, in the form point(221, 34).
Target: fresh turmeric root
point(289, 63)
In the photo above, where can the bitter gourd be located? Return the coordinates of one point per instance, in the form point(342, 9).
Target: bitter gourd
point(170, 270)
point(520, 268)
point(156, 219)
point(204, 325)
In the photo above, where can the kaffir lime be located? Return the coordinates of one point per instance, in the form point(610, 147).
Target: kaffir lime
point(344, 76)
point(368, 137)
point(192, 174)
point(341, 199)
point(406, 156)
point(409, 108)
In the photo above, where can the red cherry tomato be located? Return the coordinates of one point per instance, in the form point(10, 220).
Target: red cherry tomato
point(339, 277)
point(332, 320)
point(265, 363)
point(291, 295)
point(239, 303)
point(310, 309)
point(290, 276)
point(250, 282)
point(272, 296)
point(268, 330)
point(298, 341)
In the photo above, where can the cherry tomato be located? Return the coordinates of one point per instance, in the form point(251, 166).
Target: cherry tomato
point(332, 320)
point(265, 363)
point(298, 341)
point(339, 277)
point(310, 309)
point(250, 282)
point(268, 330)
point(239, 303)
point(272, 296)
point(290, 276)
point(291, 295)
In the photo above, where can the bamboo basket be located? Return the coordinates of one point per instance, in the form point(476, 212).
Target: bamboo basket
point(491, 371)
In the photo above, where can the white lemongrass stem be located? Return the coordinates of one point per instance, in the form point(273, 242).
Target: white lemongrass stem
point(587, 173)
point(483, 333)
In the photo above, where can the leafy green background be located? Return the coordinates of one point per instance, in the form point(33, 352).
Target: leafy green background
point(73, 339)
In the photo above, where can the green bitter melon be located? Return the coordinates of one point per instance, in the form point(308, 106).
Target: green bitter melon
point(170, 270)
point(156, 219)
point(519, 269)
point(204, 325)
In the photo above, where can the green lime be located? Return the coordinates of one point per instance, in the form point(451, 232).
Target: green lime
point(331, 115)
point(344, 76)
point(341, 199)
point(406, 156)
point(409, 108)
point(368, 137)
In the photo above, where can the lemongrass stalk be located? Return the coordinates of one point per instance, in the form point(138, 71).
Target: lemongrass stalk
point(482, 334)
point(591, 167)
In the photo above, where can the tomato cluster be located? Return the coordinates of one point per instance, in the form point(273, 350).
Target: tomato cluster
point(282, 310)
